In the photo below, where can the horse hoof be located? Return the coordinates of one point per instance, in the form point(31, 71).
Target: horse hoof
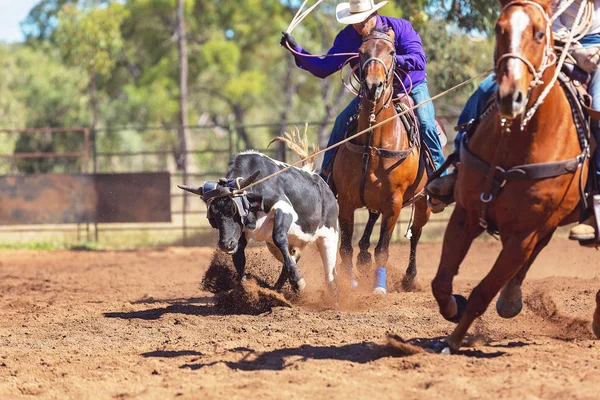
point(461, 307)
point(408, 283)
point(596, 328)
point(438, 347)
point(380, 290)
point(301, 285)
point(508, 309)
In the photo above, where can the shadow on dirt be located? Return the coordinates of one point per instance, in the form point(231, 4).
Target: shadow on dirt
point(180, 300)
point(361, 353)
point(277, 360)
point(171, 353)
point(156, 313)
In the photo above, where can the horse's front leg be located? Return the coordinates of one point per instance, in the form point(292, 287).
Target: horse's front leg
point(364, 260)
point(458, 238)
point(510, 301)
point(515, 253)
point(382, 251)
point(422, 213)
point(346, 219)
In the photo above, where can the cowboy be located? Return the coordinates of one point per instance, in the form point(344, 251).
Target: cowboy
point(587, 54)
point(362, 18)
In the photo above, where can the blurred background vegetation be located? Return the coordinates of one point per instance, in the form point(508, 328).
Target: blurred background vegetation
point(114, 67)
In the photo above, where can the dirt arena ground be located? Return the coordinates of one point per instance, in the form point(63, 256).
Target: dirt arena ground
point(137, 325)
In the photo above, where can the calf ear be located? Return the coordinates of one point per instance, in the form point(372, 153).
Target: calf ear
point(255, 201)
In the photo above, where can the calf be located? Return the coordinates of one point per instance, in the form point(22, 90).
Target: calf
point(287, 211)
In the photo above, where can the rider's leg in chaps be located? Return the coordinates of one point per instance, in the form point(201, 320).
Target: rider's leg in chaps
point(587, 229)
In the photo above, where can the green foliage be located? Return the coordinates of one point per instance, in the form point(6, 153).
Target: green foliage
point(91, 40)
point(469, 15)
point(115, 63)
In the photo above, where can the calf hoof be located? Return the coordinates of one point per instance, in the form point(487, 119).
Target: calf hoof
point(509, 309)
point(461, 307)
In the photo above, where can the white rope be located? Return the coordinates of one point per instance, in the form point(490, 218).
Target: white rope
point(576, 28)
point(299, 17)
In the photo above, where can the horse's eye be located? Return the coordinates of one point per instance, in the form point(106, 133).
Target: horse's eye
point(393, 53)
point(540, 35)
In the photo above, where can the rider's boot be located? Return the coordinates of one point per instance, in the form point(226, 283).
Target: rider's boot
point(439, 189)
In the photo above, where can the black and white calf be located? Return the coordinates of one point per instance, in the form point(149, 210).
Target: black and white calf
point(287, 212)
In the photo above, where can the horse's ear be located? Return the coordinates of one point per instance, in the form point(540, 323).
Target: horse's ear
point(391, 34)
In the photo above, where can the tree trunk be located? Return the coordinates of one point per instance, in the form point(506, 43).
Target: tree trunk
point(183, 131)
point(290, 89)
point(94, 121)
point(240, 115)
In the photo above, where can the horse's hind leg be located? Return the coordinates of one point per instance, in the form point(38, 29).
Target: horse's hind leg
point(422, 214)
point(596, 323)
point(346, 219)
point(364, 260)
point(515, 253)
point(458, 238)
point(510, 301)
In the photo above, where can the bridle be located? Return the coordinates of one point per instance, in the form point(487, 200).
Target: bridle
point(389, 71)
point(549, 57)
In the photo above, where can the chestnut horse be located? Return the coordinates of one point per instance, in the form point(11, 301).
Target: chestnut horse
point(536, 159)
point(380, 170)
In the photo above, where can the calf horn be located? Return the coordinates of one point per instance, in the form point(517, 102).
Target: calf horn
point(198, 191)
point(249, 180)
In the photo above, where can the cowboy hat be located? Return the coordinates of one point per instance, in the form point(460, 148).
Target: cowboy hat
point(356, 11)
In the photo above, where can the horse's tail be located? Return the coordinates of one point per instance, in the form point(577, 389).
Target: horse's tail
point(299, 145)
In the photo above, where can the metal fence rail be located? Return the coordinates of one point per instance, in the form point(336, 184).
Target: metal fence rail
point(213, 146)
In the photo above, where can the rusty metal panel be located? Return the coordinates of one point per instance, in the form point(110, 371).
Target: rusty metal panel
point(47, 199)
point(138, 197)
point(81, 198)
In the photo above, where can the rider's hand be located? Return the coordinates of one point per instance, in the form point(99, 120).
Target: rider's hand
point(287, 37)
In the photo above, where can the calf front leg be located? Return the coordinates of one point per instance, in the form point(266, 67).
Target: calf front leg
point(281, 226)
point(239, 258)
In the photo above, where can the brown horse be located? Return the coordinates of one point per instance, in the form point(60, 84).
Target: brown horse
point(535, 157)
point(380, 170)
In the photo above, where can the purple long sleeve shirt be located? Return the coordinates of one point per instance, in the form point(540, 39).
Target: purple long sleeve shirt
point(410, 55)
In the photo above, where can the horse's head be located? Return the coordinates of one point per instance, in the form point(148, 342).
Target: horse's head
point(377, 63)
point(523, 52)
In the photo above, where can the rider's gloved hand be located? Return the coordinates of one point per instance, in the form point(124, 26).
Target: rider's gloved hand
point(287, 37)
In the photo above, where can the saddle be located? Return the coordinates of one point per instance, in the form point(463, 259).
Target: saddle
point(402, 103)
